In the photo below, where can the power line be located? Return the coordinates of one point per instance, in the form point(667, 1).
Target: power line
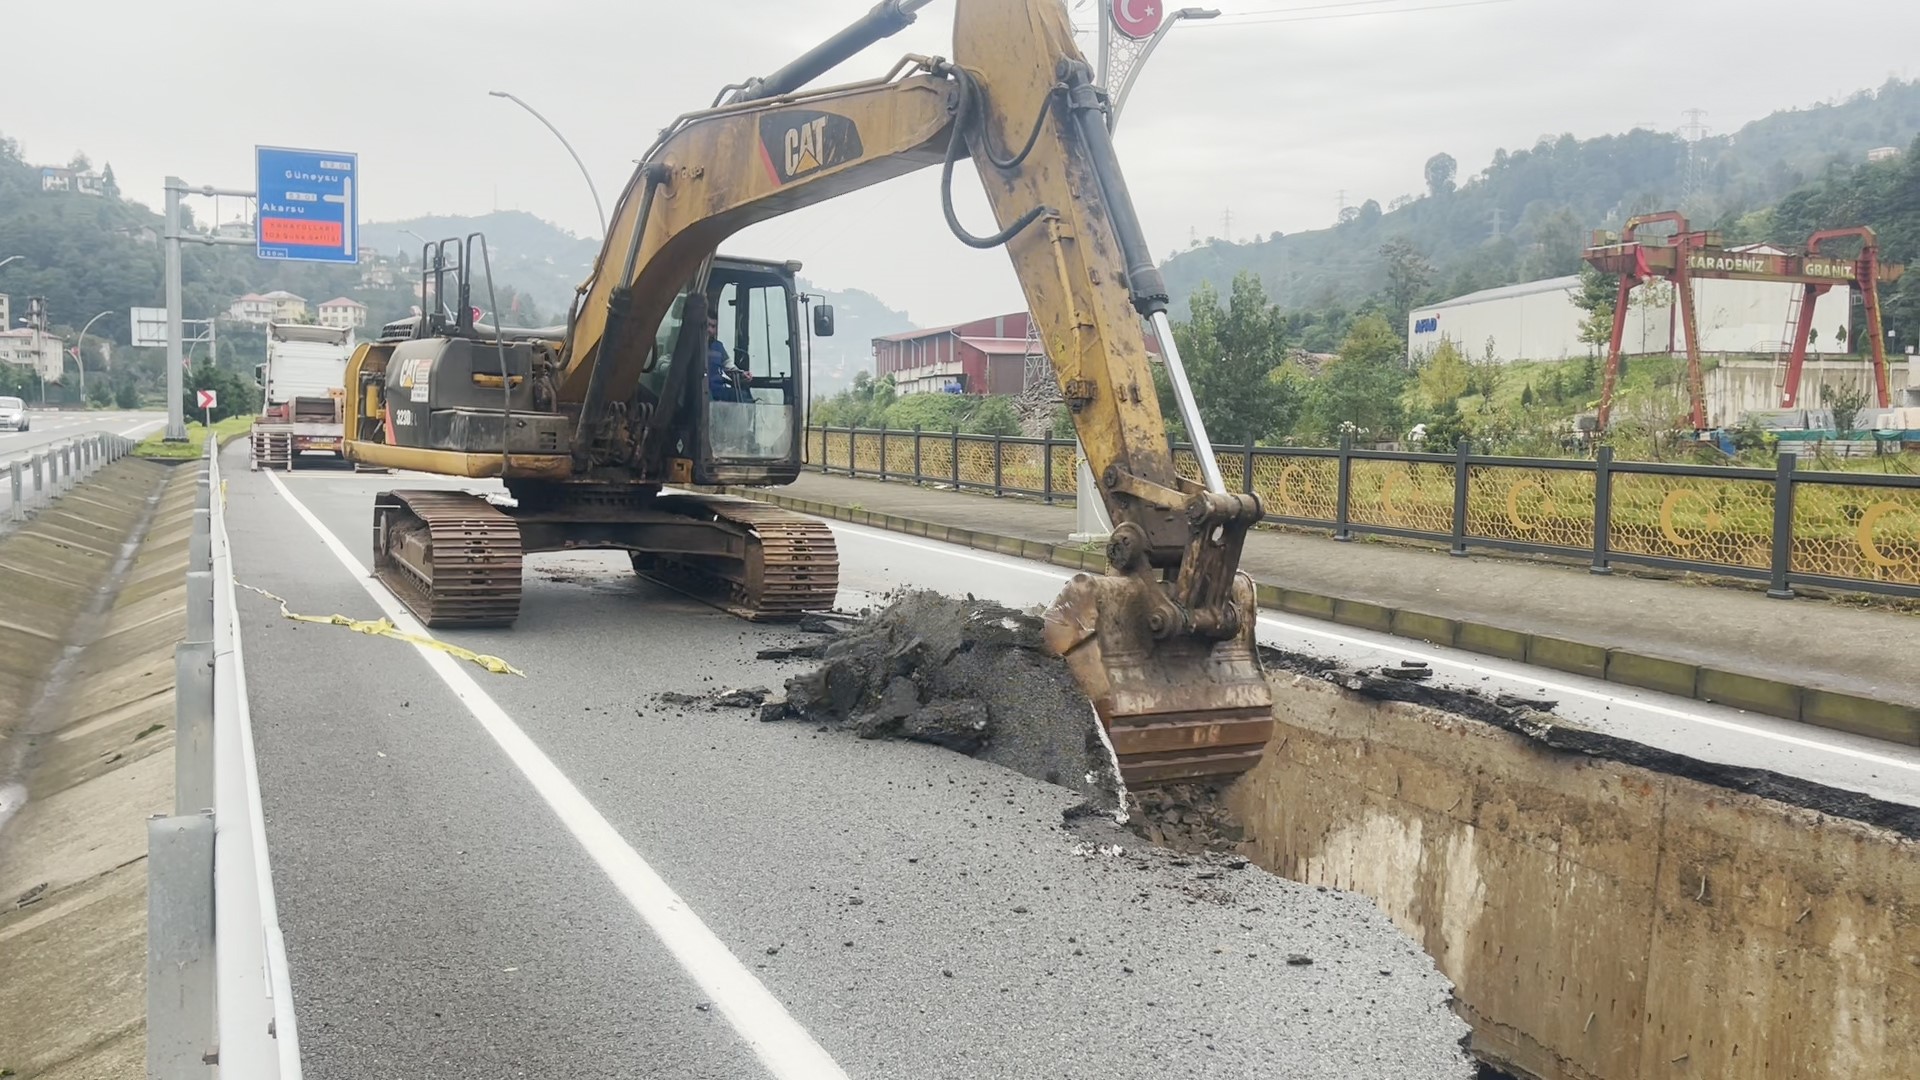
point(1216, 23)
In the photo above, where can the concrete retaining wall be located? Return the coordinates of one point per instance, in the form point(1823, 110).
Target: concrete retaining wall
point(1600, 920)
point(99, 757)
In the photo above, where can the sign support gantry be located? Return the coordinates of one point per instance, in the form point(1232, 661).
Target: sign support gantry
point(1687, 255)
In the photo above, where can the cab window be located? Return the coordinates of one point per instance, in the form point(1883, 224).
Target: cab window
point(750, 381)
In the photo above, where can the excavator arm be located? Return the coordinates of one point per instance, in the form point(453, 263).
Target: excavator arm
point(1163, 643)
point(588, 425)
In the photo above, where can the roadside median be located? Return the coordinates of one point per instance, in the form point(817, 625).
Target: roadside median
point(1842, 699)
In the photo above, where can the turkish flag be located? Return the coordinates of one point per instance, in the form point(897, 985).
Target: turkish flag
point(1138, 18)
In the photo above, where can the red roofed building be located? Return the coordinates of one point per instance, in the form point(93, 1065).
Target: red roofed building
point(986, 356)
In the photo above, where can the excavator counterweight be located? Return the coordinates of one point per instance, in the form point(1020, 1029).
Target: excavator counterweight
point(681, 366)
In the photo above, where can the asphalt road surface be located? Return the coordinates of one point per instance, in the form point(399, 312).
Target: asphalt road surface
point(558, 875)
point(46, 428)
point(52, 427)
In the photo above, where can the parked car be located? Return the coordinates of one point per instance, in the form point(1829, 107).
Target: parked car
point(13, 414)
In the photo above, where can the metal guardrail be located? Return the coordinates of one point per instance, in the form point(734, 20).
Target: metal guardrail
point(218, 990)
point(32, 479)
point(1785, 526)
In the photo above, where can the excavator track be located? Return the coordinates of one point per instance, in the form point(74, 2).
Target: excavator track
point(791, 567)
point(452, 558)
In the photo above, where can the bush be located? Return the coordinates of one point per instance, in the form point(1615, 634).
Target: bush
point(994, 416)
point(237, 395)
point(932, 412)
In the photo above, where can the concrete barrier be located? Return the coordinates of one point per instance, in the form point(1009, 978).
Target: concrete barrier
point(1606, 919)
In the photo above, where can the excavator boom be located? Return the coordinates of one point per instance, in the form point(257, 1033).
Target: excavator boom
point(1164, 642)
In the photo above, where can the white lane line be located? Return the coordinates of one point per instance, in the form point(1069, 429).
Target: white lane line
point(782, 1045)
point(950, 551)
point(140, 429)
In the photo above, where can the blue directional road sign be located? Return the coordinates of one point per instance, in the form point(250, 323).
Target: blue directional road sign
point(308, 205)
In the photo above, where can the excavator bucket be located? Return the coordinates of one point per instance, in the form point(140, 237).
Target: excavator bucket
point(1175, 708)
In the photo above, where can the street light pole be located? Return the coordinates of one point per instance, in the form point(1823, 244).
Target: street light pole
point(1133, 70)
point(10, 258)
point(79, 353)
point(595, 192)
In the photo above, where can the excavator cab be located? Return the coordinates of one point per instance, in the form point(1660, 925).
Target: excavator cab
point(747, 398)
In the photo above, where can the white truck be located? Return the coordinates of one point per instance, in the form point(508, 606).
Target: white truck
point(303, 384)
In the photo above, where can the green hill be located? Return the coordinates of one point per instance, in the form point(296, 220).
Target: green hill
point(1529, 212)
point(93, 253)
point(549, 262)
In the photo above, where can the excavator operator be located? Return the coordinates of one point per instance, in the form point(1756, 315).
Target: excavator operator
point(720, 370)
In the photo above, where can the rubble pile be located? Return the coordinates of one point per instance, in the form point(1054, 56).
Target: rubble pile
point(1036, 407)
point(963, 673)
point(1187, 818)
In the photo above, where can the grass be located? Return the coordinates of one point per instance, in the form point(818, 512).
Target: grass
point(157, 447)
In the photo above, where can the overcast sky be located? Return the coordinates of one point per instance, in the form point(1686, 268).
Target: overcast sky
point(1268, 113)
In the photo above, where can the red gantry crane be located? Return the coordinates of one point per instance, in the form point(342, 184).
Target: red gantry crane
point(1686, 255)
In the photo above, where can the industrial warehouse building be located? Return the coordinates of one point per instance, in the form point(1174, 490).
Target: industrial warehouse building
point(986, 356)
point(1538, 320)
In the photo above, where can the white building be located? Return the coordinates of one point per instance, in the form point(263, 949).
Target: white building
point(55, 178)
point(1538, 320)
point(28, 348)
point(343, 312)
point(262, 308)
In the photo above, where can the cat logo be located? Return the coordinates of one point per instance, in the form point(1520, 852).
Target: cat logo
point(799, 142)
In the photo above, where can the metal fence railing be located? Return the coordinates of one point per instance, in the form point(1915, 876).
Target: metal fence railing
point(218, 991)
point(1784, 526)
point(33, 478)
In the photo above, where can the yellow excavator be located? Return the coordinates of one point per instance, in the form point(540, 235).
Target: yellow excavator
point(599, 428)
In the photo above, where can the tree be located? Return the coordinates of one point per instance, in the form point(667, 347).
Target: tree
point(1846, 401)
point(1596, 297)
point(1440, 172)
point(237, 394)
point(99, 393)
point(1559, 240)
point(1233, 357)
point(1362, 386)
point(1370, 211)
point(1408, 273)
point(108, 185)
point(1443, 378)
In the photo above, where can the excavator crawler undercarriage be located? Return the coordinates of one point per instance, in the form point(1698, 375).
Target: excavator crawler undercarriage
point(451, 557)
point(454, 558)
point(790, 568)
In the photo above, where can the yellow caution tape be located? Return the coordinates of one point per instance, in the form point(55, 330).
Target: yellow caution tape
point(385, 628)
